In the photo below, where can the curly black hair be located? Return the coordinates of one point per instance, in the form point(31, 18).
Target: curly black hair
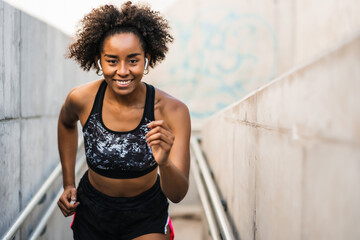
point(151, 29)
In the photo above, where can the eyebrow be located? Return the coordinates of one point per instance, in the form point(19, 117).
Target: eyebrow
point(110, 56)
point(133, 55)
point(129, 56)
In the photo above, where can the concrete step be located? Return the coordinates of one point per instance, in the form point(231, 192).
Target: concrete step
point(189, 222)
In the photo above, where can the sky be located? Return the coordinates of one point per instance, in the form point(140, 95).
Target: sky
point(65, 14)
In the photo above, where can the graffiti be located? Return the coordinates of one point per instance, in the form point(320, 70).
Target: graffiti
point(218, 60)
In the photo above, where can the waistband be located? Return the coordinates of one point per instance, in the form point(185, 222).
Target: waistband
point(91, 196)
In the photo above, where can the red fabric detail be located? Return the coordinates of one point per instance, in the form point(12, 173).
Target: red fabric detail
point(73, 220)
point(172, 234)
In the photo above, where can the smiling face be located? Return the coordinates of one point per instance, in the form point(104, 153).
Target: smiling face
point(122, 61)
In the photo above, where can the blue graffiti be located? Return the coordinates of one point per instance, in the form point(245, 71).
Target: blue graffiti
point(219, 63)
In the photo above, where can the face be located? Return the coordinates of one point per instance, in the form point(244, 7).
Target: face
point(122, 61)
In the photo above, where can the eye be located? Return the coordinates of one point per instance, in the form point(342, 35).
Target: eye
point(133, 61)
point(112, 61)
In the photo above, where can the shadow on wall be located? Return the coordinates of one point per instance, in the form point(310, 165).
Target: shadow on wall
point(218, 57)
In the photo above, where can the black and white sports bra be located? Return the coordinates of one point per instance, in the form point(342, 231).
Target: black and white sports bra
point(119, 154)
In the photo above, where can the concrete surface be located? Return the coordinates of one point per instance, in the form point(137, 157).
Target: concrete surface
point(188, 217)
point(11, 62)
point(9, 172)
point(288, 163)
point(225, 49)
point(188, 228)
point(222, 51)
point(188, 221)
point(34, 80)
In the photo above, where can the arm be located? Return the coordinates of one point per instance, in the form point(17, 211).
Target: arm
point(67, 144)
point(169, 139)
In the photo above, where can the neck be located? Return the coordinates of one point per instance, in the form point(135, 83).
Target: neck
point(135, 98)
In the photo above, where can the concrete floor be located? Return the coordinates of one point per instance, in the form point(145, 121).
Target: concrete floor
point(188, 222)
point(188, 229)
point(188, 217)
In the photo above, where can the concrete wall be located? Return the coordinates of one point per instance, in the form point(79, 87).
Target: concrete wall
point(287, 157)
point(225, 49)
point(34, 80)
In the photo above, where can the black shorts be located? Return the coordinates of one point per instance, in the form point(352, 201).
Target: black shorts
point(100, 216)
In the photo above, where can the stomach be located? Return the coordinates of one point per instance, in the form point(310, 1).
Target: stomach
point(114, 187)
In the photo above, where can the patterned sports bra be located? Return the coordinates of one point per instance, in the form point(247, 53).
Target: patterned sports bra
point(118, 154)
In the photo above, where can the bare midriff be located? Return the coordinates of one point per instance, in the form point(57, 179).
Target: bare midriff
point(122, 187)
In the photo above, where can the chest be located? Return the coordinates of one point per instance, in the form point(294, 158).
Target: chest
point(121, 120)
point(107, 149)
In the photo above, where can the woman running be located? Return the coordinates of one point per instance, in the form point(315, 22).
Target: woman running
point(136, 136)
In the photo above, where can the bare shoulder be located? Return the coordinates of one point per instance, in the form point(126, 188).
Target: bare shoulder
point(170, 109)
point(79, 97)
point(167, 104)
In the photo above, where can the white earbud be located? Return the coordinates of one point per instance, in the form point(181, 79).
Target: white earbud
point(146, 63)
point(99, 65)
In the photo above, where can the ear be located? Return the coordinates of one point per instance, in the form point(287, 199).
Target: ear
point(96, 61)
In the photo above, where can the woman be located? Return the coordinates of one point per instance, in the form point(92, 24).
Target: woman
point(132, 131)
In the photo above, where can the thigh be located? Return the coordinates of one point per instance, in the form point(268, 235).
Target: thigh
point(155, 236)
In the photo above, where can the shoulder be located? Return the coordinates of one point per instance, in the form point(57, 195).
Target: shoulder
point(168, 104)
point(85, 90)
point(170, 109)
point(80, 96)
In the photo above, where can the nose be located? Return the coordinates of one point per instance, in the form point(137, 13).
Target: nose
point(122, 69)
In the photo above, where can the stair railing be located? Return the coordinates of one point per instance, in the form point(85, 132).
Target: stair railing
point(37, 199)
point(219, 225)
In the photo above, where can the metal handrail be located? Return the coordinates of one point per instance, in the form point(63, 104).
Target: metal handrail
point(41, 225)
point(213, 228)
point(220, 214)
point(32, 204)
point(34, 201)
point(203, 179)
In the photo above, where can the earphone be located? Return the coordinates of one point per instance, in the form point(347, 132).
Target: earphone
point(99, 65)
point(146, 63)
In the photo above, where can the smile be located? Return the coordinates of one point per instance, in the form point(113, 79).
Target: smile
point(122, 82)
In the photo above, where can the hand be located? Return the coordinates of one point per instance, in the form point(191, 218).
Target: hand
point(160, 139)
point(67, 201)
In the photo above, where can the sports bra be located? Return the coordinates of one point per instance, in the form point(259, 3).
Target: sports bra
point(119, 154)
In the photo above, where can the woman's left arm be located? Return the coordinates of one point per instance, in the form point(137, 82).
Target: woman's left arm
point(170, 140)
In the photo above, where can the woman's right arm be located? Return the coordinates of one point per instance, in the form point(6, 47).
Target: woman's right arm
point(67, 144)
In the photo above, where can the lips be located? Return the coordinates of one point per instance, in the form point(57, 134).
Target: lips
point(122, 83)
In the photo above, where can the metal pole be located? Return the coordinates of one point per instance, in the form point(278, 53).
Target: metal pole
point(214, 197)
point(214, 231)
point(46, 217)
point(34, 201)
point(39, 228)
point(32, 204)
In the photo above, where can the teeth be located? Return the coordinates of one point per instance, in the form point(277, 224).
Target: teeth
point(123, 82)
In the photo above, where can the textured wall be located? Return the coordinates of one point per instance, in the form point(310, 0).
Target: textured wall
point(289, 160)
point(34, 80)
point(225, 49)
